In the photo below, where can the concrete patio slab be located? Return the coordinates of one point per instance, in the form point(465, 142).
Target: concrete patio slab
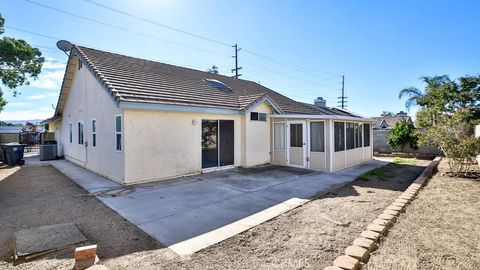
point(190, 213)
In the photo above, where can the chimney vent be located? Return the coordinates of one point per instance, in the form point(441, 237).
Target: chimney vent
point(320, 102)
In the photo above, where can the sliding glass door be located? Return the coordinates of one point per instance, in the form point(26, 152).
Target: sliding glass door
point(217, 143)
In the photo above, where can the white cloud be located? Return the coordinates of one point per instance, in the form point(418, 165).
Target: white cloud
point(49, 80)
point(43, 113)
point(17, 104)
point(41, 96)
point(51, 63)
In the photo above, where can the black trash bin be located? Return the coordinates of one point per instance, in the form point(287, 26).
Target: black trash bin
point(13, 154)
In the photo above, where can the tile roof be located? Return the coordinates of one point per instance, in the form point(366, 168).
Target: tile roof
point(132, 79)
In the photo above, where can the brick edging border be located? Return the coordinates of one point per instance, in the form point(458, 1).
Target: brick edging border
point(359, 251)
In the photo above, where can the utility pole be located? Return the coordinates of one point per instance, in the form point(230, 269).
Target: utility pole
point(237, 68)
point(343, 98)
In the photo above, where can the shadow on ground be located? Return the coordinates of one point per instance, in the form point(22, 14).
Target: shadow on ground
point(38, 196)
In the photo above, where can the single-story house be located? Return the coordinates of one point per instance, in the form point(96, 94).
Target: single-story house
point(134, 120)
point(389, 121)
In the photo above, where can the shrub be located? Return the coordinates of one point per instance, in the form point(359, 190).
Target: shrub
point(403, 135)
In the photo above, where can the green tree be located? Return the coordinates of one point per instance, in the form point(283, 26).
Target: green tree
point(448, 111)
point(403, 135)
point(18, 61)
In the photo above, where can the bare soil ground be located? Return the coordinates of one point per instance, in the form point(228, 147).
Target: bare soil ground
point(37, 196)
point(309, 237)
point(439, 230)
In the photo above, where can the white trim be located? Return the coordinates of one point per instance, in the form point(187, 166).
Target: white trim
point(272, 103)
point(304, 126)
point(94, 133)
point(221, 168)
point(308, 116)
point(176, 108)
point(309, 144)
point(332, 144)
point(115, 132)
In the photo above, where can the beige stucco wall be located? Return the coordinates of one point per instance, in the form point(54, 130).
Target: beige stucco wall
point(258, 138)
point(87, 100)
point(164, 144)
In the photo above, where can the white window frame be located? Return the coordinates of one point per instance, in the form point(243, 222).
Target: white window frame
point(118, 132)
point(283, 124)
point(70, 133)
point(83, 133)
point(94, 133)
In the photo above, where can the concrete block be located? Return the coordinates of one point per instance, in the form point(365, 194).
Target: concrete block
point(402, 200)
point(406, 196)
point(365, 243)
point(359, 253)
point(391, 212)
point(395, 208)
point(370, 235)
point(346, 262)
point(387, 217)
point(332, 268)
point(376, 228)
point(399, 204)
point(415, 185)
point(383, 222)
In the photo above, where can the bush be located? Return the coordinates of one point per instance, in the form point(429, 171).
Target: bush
point(403, 135)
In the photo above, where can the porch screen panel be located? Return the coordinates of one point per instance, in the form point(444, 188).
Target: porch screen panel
point(350, 134)
point(366, 135)
point(339, 135)
point(279, 136)
point(209, 143)
point(317, 137)
point(226, 142)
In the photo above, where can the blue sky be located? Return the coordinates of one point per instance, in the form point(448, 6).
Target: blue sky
point(380, 46)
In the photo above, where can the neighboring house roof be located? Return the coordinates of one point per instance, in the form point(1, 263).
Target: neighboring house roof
point(389, 121)
point(134, 80)
point(10, 129)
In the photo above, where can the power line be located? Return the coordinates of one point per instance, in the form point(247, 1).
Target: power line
point(121, 28)
point(156, 23)
point(292, 66)
point(32, 33)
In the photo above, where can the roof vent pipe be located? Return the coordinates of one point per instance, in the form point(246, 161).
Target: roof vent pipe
point(320, 102)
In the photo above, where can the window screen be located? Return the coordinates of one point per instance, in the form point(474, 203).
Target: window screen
point(80, 133)
point(279, 136)
point(366, 135)
point(350, 134)
point(118, 133)
point(70, 132)
point(296, 135)
point(358, 136)
point(317, 137)
point(339, 134)
point(255, 116)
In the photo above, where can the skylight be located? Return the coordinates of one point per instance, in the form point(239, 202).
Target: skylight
point(218, 84)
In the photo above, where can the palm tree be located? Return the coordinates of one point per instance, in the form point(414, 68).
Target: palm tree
point(415, 95)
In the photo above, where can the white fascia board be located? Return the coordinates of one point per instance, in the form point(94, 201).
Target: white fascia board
point(315, 116)
point(176, 108)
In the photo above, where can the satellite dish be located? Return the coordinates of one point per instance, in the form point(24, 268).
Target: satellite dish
point(64, 45)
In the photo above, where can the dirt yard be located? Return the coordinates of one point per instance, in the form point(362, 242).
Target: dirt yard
point(309, 237)
point(439, 230)
point(37, 196)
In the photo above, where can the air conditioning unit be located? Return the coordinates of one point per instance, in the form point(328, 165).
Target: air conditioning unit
point(48, 151)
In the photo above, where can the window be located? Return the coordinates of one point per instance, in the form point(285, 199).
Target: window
point(358, 135)
point(118, 133)
point(350, 133)
point(366, 135)
point(339, 134)
point(70, 132)
point(94, 133)
point(278, 136)
point(255, 116)
point(317, 137)
point(80, 132)
point(296, 135)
